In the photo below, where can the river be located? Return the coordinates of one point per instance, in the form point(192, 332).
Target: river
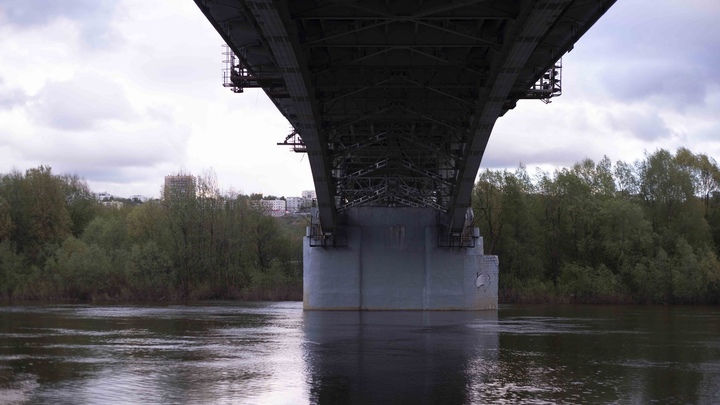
point(274, 353)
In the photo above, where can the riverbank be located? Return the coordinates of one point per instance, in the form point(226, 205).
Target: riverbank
point(290, 292)
point(508, 296)
point(295, 293)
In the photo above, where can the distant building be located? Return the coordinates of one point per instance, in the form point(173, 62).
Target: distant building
point(309, 195)
point(104, 196)
point(179, 186)
point(276, 208)
point(294, 204)
point(113, 204)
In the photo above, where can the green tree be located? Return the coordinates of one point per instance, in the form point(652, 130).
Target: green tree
point(37, 209)
point(6, 223)
point(627, 180)
point(665, 186)
point(83, 271)
point(486, 201)
point(81, 203)
point(11, 269)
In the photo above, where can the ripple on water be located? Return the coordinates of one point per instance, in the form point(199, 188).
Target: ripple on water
point(275, 353)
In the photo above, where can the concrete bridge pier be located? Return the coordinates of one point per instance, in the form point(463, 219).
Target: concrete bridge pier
point(392, 261)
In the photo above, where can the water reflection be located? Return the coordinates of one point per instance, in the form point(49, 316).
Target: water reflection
point(273, 353)
point(218, 353)
point(398, 357)
point(608, 354)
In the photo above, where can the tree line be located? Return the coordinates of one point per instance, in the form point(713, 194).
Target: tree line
point(641, 232)
point(58, 242)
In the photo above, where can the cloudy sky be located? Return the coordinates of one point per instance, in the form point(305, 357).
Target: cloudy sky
point(125, 92)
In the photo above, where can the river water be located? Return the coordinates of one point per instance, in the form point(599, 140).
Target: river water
point(274, 353)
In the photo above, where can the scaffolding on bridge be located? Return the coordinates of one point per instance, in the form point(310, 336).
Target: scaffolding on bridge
point(295, 142)
point(238, 77)
point(549, 85)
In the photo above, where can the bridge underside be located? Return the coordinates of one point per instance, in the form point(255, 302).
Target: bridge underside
point(394, 101)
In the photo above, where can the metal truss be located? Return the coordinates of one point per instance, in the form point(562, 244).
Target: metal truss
point(394, 102)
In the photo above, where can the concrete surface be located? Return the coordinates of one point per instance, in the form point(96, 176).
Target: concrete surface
point(392, 262)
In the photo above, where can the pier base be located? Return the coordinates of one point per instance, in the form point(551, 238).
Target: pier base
point(392, 261)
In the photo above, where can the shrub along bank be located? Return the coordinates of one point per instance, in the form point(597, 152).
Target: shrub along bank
point(57, 242)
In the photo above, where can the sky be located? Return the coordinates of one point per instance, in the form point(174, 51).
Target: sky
point(125, 92)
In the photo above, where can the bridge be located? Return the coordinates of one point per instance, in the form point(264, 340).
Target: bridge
point(394, 102)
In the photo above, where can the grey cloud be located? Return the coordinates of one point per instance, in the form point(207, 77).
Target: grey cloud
point(559, 156)
point(81, 103)
point(644, 125)
point(40, 12)
point(538, 134)
point(711, 133)
point(108, 174)
point(92, 15)
point(117, 161)
point(121, 181)
point(107, 149)
point(176, 69)
point(11, 98)
point(664, 51)
point(679, 85)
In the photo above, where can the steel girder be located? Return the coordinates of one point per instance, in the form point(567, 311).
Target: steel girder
point(395, 100)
